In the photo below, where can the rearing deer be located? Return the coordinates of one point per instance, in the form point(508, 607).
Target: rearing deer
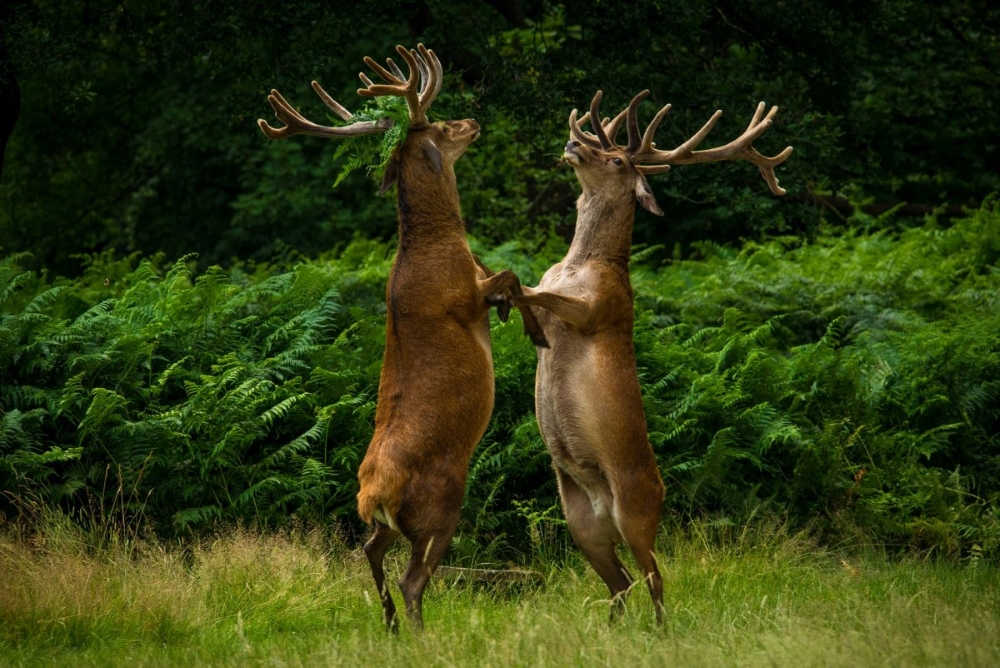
point(587, 397)
point(436, 390)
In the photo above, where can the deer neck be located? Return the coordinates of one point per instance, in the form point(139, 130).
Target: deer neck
point(603, 229)
point(427, 203)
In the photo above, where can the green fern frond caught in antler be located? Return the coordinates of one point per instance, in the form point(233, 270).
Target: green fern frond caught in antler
point(372, 152)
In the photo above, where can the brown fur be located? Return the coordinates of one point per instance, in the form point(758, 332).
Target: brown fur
point(587, 396)
point(435, 394)
point(436, 390)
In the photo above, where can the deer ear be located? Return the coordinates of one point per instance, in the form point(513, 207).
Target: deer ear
point(390, 176)
point(433, 154)
point(645, 196)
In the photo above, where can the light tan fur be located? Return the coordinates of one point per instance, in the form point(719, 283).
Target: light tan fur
point(587, 396)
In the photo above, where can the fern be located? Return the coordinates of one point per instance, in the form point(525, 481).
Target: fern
point(372, 152)
point(850, 382)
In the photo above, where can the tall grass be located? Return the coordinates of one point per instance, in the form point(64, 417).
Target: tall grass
point(749, 596)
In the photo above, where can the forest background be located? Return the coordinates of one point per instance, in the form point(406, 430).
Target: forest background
point(192, 317)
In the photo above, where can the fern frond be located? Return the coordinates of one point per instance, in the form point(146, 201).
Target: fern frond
point(372, 152)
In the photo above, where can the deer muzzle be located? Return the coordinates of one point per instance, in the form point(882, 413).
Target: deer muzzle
point(571, 152)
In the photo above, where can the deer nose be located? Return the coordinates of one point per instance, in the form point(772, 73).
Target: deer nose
point(572, 143)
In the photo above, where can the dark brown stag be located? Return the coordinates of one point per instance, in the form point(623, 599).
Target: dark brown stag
point(587, 397)
point(436, 390)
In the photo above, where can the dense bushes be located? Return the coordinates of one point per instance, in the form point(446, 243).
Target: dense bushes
point(227, 396)
point(849, 384)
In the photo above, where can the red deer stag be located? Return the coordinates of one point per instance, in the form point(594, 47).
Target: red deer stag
point(587, 397)
point(435, 394)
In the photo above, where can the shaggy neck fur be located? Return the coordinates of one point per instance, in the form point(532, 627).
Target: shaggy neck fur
point(603, 228)
point(427, 202)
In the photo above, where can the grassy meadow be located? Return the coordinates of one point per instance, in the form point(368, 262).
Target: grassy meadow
point(748, 597)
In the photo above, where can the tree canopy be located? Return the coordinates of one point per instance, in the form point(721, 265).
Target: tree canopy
point(137, 131)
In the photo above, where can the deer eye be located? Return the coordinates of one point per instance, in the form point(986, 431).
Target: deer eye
point(617, 161)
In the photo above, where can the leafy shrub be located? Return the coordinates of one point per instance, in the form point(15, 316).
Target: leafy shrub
point(225, 396)
point(849, 384)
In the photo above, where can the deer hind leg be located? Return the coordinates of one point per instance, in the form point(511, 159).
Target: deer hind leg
point(596, 537)
point(637, 516)
point(426, 553)
point(375, 551)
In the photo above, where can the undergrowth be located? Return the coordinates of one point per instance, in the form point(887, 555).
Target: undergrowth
point(848, 384)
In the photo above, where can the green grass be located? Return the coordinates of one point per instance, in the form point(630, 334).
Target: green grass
point(751, 598)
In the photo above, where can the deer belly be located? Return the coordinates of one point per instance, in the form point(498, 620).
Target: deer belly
point(481, 334)
point(568, 403)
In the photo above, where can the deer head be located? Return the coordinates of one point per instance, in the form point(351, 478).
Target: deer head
point(435, 146)
point(604, 166)
point(432, 149)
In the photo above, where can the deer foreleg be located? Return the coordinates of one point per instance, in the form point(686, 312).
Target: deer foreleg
point(501, 302)
point(574, 310)
point(505, 287)
point(485, 271)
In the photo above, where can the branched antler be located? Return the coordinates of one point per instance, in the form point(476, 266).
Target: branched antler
point(650, 160)
point(419, 89)
point(296, 123)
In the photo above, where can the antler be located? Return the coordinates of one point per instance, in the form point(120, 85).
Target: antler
point(419, 88)
point(741, 148)
point(605, 131)
point(296, 123)
point(643, 149)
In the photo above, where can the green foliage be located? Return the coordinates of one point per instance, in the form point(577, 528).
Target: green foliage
point(850, 378)
point(226, 396)
point(849, 385)
point(156, 149)
point(372, 152)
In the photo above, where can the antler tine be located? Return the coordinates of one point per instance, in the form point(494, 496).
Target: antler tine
point(611, 129)
point(395, 69)
point(766, 166)
point(335, 106)
point(396, 85)
point(424, 72)
point(419, 88)
point(595, 122)
point(754, 130)
point(687, 148)
point(647, 137)
point(633, 122)
point(608, 127)
point(284, 112)
point(296, 123)
point(576, 131)
point(648, 153)
point(435, 76)
point(389, 77)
